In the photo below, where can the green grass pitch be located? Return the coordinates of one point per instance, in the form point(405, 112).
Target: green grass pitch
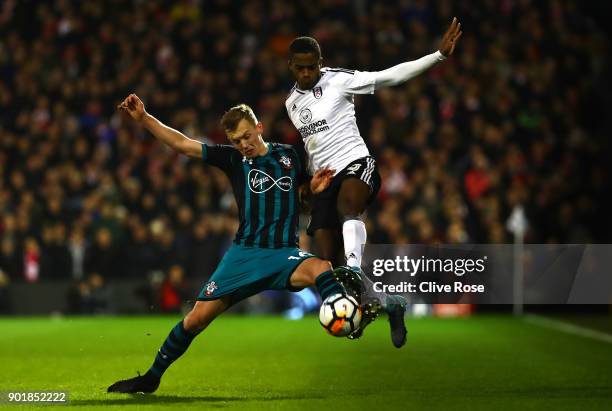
point(272, 363)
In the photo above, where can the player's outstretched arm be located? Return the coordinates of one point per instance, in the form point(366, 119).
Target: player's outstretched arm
point(405, 71)
point(174, 138)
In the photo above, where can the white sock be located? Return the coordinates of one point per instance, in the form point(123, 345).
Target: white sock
point(355, 235)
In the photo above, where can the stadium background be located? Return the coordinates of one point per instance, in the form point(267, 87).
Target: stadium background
point(516, 116)
point(96, 217)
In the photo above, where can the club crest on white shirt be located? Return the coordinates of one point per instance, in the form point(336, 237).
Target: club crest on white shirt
point(305, 116)
point(331, 137)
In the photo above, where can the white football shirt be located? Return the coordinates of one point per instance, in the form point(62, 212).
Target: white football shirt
point(325, 117)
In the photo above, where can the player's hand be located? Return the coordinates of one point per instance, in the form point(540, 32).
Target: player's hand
point(134, 106)
point(449, 41)
point(321, 180)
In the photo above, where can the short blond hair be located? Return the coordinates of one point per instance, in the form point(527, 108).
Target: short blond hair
point(234, 115)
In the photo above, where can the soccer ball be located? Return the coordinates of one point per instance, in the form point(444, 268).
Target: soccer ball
point(340, 315)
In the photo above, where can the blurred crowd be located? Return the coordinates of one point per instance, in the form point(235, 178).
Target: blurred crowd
point(513, 118)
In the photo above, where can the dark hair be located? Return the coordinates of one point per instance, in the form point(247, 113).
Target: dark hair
point(304, 45)
point(232, 117)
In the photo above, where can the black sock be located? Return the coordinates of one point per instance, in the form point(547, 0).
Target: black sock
point(175, 345)
point(328, 285)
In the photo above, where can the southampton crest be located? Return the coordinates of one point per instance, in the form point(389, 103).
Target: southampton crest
point(286, 162)
point(210, 288)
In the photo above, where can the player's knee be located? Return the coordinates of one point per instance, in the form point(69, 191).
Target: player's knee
point(197, 319)
point(322, 266)
point(350, 207)
point(319, 268)
point(308, 276)
point(353, 198)
point(191, 322)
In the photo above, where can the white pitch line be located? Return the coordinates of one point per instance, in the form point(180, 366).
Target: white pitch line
point(568, 328)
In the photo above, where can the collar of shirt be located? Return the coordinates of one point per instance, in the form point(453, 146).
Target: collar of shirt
point(255, 159)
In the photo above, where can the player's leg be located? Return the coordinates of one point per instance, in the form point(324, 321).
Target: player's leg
point(316, 272)
point(319, 273)
point(353, 199)
point(325, 225)
point(329, 245)
point(354, 195)
point(175, 345)
point(181, 336)
point(307, 271)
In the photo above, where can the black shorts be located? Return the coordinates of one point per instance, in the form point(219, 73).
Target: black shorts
point(324, 212)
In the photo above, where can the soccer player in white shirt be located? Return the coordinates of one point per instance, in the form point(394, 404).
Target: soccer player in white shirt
point(321, 107)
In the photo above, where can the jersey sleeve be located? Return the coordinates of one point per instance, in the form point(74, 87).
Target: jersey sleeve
point(219, 156)
point(353, 81)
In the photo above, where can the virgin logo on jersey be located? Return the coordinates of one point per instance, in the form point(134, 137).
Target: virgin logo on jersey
point(260, 182)
point(313, 128)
